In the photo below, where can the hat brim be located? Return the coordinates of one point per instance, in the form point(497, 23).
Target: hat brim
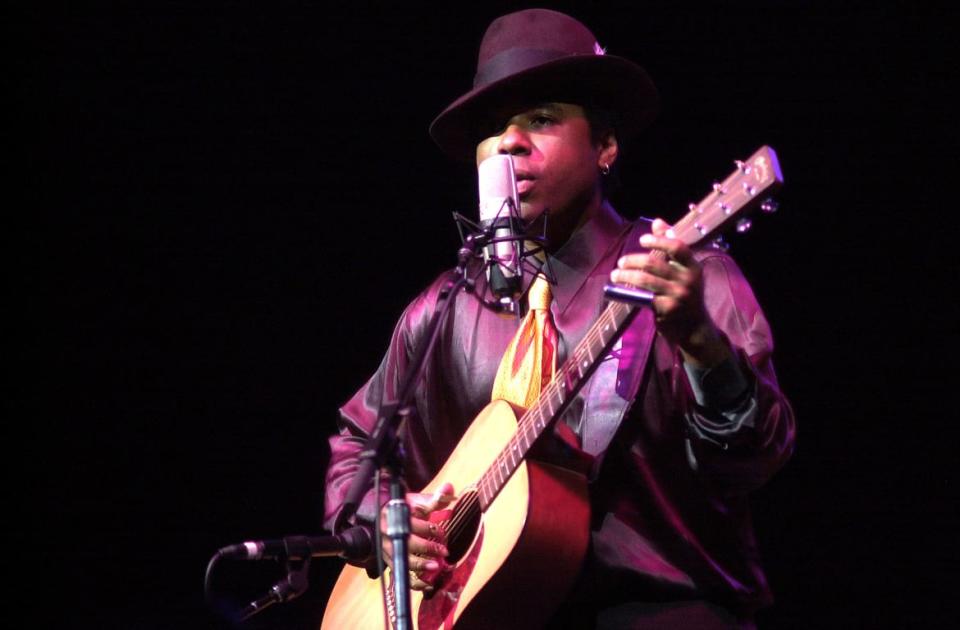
point(614, 84)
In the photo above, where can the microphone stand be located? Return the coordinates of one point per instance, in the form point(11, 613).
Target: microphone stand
point(384, 450)
point(290, 587)
point(352, 544)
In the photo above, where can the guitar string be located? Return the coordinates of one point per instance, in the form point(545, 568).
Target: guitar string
point(465, 509)
point(468, 504)
point(593, 334)
point(555, 388)
point(687, 230)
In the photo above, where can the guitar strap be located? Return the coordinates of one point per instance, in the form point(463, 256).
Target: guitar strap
point(614, 386)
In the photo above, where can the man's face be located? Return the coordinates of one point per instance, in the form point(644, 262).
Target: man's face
point(556, 162)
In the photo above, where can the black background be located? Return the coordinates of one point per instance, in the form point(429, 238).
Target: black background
point(219, 211)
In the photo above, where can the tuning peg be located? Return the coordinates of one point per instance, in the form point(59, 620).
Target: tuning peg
point(749, 189)
point(744, 225)
point(742, 166)
point(692, 207)
point(718, 188)
point(769, 206)
point(719, 243)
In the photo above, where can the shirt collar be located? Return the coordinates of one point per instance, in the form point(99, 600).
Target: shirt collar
point(590, 244)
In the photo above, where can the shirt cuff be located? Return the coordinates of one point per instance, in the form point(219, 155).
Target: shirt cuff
point(721, 387)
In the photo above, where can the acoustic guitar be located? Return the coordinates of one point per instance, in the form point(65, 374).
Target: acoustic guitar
point(519, 529)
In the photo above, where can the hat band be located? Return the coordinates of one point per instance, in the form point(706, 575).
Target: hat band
point(515, 60)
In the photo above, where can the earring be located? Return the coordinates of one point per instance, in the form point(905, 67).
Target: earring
point(605, 169)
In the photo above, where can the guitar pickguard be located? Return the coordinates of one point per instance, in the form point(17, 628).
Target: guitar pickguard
point(437, 610)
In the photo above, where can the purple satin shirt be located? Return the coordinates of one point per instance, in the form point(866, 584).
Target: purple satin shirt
point(669, 485)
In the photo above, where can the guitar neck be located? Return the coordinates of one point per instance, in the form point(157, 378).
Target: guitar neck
point(744, 189)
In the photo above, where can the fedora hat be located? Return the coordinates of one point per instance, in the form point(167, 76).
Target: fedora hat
point(538, 55)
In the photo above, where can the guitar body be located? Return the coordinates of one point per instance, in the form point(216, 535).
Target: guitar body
point(521, 558)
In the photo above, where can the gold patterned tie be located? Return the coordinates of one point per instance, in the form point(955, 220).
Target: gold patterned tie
point(530, 360)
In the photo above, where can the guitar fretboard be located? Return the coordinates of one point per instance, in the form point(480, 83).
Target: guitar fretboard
point(555, 397)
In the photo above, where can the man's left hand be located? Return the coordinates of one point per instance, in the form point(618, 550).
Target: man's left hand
point(677, 282)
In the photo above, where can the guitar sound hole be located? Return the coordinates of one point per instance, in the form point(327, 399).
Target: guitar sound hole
point(462, 528)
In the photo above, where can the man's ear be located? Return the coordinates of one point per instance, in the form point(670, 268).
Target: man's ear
point(609, 149)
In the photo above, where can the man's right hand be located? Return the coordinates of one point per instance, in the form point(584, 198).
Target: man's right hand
point(427, 544)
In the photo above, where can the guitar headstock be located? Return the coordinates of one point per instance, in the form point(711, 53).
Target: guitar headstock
point(748, 187)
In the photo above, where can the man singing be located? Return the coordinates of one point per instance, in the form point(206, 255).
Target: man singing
point(681, 420)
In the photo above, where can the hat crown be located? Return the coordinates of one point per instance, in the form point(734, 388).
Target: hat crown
point(535, 55)
point(524, 39)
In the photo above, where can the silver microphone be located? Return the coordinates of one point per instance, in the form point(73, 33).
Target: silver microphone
point(500, 214)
